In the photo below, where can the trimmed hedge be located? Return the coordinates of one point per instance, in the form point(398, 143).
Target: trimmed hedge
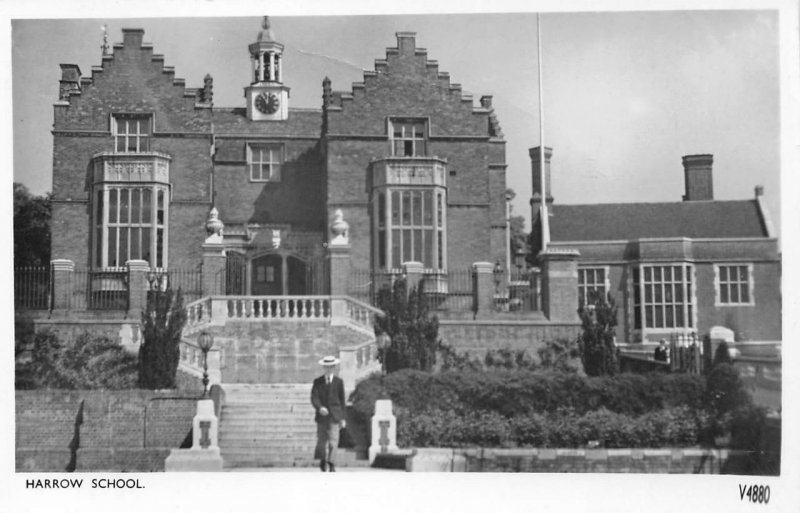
point(519, 392)
point(670, 427)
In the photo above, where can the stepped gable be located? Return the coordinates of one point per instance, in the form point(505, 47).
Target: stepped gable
point(407, 83)
point(132, 79)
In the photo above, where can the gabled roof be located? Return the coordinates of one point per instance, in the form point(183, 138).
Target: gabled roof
point(627, 221)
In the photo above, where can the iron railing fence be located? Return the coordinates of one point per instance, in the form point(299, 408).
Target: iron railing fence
point(99, 290)
point(450, 291)
point(33, 288)
point(517, 291)
point(189, 281)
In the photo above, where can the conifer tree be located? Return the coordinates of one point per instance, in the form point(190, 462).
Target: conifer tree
point(596, 341)
point(162, 326)
point(413, 331)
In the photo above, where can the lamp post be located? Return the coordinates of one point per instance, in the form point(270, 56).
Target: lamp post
point(205, 341)
point(384, 341)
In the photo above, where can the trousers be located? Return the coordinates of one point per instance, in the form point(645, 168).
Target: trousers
point(327, 441)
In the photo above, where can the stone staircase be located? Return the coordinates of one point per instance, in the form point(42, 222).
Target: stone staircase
point(271, 425)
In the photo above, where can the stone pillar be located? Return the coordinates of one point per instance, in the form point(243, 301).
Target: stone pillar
point(384, 430)
point(482, 288)
point(204, 454)
point(560, 284)
point(62, 283)
point(213, 268)
point(137, 286)
point(413, 274)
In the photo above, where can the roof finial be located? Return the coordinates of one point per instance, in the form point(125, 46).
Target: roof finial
point(265, 23)
point(105, 46)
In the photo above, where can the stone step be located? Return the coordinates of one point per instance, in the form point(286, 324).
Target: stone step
point(244, 407)
point(266, 434)
point(253, 402)
point(301, 427)
point(259, 413)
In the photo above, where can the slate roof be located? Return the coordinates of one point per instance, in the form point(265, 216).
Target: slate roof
point(627, 221)
point(301, 122)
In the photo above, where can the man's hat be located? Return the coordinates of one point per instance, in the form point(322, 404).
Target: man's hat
point(328, 361)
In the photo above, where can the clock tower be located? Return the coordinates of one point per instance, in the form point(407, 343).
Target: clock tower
point(267, 97)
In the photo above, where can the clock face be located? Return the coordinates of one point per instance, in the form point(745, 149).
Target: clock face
point(267, 103)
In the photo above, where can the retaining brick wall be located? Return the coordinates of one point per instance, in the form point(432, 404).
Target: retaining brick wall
point(480, 336)
point(641, 461)
point(127, 430)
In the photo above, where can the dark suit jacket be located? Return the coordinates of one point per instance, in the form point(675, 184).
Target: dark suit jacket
point(331, 397)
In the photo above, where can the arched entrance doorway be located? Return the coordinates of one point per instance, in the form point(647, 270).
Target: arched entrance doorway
point(276, 274)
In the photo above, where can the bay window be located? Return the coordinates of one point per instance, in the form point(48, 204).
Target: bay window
point(130, 223)
point(410, 227)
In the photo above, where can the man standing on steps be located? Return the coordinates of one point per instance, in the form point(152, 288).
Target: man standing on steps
point(327, 397)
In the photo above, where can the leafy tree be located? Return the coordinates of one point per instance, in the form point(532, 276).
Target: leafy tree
point(596, 341)
point(414, 332)
point(31, 227)
point(518, 235)
point(162, 326)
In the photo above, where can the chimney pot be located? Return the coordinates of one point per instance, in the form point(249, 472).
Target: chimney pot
point(759, 191)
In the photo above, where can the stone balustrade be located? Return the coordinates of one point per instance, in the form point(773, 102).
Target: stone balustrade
point(198, 315)
point(279, 307)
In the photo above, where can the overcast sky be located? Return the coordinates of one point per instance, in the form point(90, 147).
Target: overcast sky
point(626, 95)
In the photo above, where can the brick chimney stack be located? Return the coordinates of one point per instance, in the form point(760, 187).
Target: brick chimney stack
point(70, 81)
point(537, 174)
point(698, 177)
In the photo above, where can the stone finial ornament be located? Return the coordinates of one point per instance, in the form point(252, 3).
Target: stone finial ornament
point(276, 239)
point(340, 229)
point(266, 34)
point(207, 93)
point(214, 226)
point(105, 46)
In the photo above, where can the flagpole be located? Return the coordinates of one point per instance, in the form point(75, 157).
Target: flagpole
point(543, 215)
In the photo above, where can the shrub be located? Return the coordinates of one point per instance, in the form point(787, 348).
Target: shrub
point(162, 325)
point(721, 355)
point(562, 355)
point(724, 390)
point(564, 428)
point(83, 363)
point(516, 393)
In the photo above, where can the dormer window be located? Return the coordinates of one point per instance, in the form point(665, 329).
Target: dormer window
point(132, 133)
point(409, 137)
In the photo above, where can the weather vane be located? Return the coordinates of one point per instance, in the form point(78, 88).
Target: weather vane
point(104, 46)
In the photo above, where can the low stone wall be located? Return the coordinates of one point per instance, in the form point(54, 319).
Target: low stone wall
point(127, 430)
point(478, 336)
point(126, 332)
point(641, 461)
